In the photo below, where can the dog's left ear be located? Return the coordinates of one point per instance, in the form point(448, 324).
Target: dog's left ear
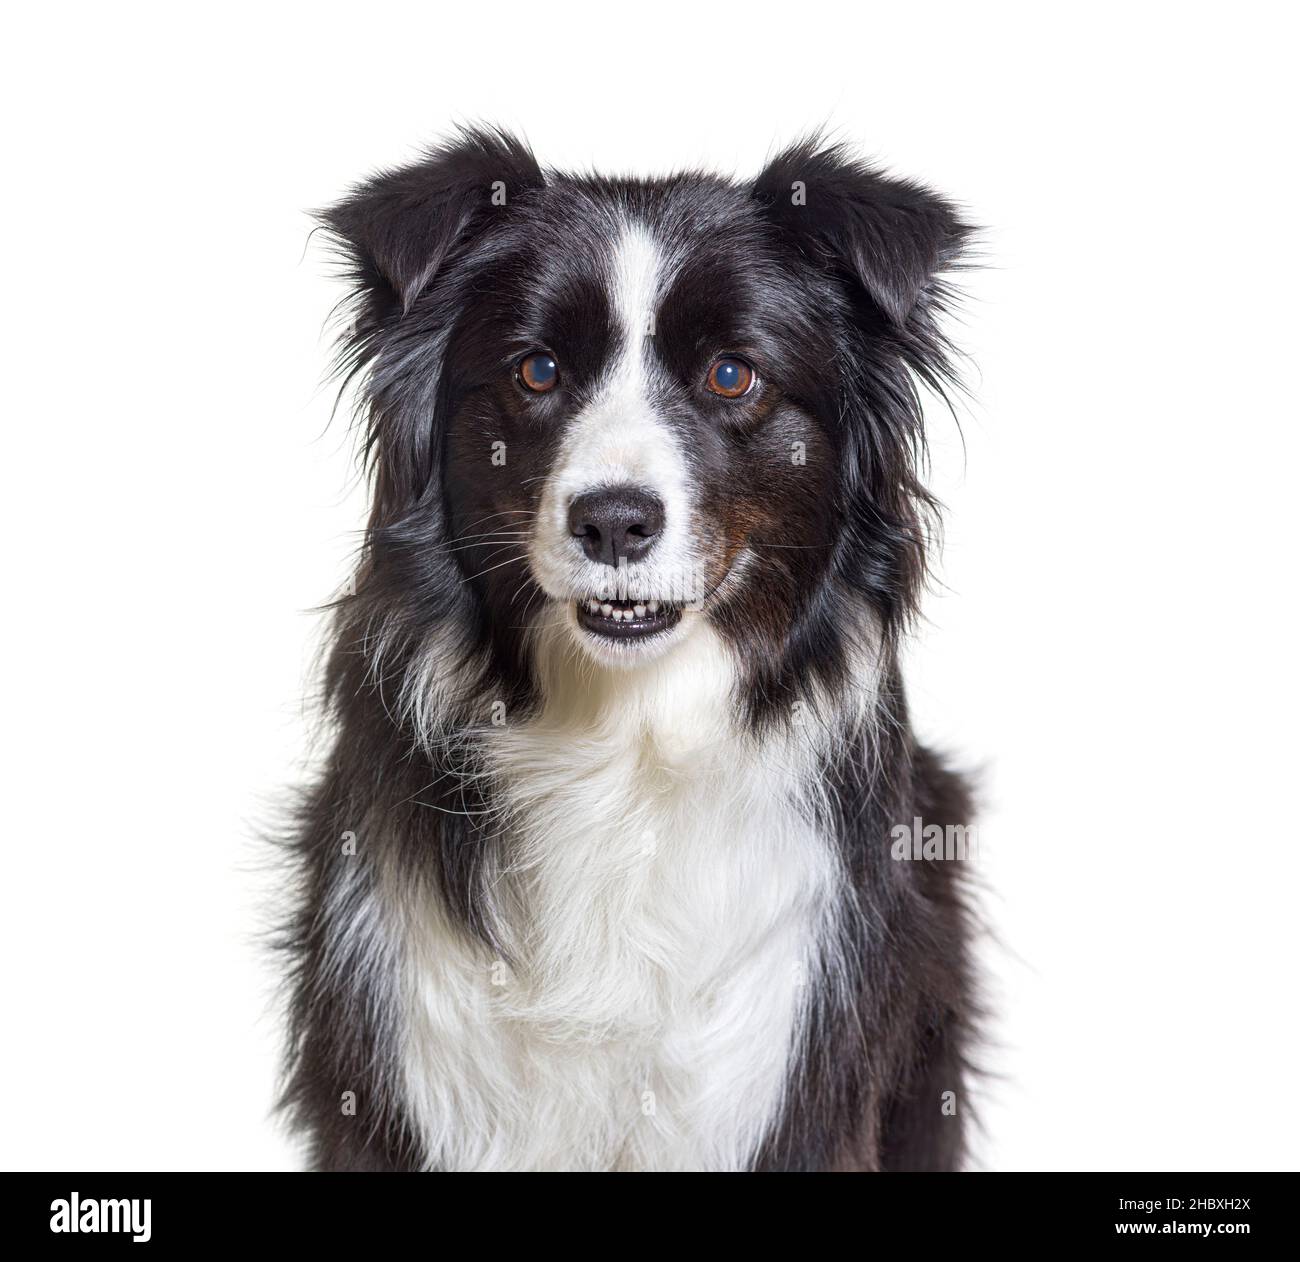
point(398, 229)
point(891, 237)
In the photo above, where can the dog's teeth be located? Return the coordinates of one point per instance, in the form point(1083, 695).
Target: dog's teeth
point(639, 610)
point(652, 605)
point(593, 606)
point(607, 610)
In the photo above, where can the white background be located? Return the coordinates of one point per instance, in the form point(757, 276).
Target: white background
point(1114, 644)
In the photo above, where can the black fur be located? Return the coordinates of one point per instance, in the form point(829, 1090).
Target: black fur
point(838, 297)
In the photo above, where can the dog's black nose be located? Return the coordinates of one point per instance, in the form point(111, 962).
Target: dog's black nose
point(616, 524)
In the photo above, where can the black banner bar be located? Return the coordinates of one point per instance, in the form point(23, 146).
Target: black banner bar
point(94, 1211)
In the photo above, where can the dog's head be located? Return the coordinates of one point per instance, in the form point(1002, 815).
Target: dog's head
point(636, 406)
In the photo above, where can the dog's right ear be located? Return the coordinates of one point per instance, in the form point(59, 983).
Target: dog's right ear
point(397, 229)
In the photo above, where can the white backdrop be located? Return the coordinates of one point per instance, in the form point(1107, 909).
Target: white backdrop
point(1114, 643)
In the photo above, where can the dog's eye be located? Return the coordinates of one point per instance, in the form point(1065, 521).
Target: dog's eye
point(730, 377)
point(539, 372)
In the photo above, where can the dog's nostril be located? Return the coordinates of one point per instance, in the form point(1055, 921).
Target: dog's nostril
point(617, 523)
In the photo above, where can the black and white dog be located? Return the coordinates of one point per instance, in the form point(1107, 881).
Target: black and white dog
point(598, 875)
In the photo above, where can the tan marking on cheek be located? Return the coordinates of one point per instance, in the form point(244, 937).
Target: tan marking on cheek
point(736, 529)
point(734, 549)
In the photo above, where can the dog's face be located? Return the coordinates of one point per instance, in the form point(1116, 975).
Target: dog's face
point(650, 388)
point(634, 406)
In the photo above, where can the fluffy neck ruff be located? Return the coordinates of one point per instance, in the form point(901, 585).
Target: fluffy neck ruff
point(662, 889)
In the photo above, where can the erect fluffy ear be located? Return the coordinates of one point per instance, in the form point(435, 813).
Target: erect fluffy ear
point(397, 228)
point(890, 236)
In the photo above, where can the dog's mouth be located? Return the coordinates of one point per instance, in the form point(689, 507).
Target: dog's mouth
point(627, 619)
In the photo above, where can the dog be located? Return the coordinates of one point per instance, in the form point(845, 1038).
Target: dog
point(597, 872)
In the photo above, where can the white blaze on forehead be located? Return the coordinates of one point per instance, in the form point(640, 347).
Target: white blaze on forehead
point(637, 277)
point(619, 438)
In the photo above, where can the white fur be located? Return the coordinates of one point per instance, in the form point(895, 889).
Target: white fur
point(665, 900)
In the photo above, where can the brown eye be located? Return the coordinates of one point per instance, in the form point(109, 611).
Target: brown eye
point(539, 372)
point(730, 377)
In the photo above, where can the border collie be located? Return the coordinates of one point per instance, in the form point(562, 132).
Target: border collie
point(597, 874)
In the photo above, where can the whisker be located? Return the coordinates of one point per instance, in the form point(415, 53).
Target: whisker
point(508, 512)
point(490, 568)
point(487, 541)
point(815, 546)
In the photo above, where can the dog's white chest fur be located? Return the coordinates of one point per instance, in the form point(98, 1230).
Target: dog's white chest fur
point(663, 900)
